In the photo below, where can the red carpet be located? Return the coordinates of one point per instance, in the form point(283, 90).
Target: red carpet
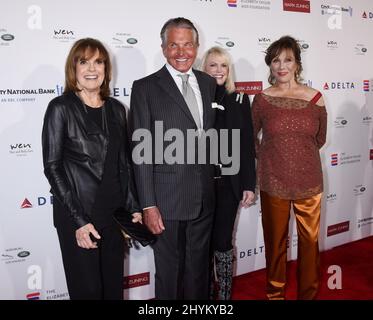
point(355, 260)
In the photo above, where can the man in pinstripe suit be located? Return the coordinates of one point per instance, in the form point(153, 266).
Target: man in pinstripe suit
point(177, 197)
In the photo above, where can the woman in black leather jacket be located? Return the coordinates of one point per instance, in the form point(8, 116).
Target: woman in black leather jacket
point(233, 112)
point(86, 161)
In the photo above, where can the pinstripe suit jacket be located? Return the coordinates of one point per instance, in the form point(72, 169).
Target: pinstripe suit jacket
point(179, 190)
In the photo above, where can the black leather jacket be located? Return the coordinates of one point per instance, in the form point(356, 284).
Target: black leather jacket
point(74, 152)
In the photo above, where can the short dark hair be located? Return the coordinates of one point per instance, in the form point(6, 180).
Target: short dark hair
point(85, 49)
point(275, 49)
point(179, 22)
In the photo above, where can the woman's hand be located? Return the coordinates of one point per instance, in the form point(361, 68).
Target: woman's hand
point(247, 198)
point(137, 217)
point(83, 239)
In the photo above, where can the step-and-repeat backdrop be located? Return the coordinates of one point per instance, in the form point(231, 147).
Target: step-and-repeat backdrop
point(35, 37)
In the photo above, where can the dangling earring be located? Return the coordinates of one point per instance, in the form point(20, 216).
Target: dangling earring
point(296, 75)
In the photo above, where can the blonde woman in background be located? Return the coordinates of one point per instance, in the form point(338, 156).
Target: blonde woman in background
point(232, 190)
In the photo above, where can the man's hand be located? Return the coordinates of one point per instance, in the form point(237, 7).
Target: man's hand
point(83, 239)
point(153, 220)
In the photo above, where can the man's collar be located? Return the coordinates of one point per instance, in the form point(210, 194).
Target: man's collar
point(175, 72)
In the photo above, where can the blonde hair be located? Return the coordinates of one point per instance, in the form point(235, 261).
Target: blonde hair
point(229, 83)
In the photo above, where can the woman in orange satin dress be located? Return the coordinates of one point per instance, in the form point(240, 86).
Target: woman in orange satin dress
point(293, 121)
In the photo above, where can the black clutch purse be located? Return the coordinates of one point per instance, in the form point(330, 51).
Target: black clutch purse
point(133, 231)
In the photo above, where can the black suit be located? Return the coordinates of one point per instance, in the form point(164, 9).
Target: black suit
point(184, 193)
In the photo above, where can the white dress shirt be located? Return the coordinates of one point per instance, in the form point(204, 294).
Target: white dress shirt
point(192, 82)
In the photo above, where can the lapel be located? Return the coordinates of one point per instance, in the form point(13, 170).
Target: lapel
point(167, 83)
point(232, 108)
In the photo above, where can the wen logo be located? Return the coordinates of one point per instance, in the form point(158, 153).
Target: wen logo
point(63, 32)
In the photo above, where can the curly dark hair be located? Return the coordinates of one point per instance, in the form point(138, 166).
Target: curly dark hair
point(275, 49)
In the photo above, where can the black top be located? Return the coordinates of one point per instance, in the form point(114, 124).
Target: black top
point(237, 115)
point(109, 196)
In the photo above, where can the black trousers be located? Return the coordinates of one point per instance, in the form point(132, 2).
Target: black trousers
point(93, 274)
point(225, 215)
point(181, 256)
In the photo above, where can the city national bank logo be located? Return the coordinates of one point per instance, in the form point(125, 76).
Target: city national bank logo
point(367, 15)
point(297, 6)
point(6, 38)
point(339, 85)
point(41, 201)
point(123, 40)
point(334, 159)
point(225, 42)
point(64, 35)
point(335, 10)
point(136, 280)
point(20, 149)
point(250, 4)
point(249, 87)
point(24, 95)
point(338, 228)
point(33, 296)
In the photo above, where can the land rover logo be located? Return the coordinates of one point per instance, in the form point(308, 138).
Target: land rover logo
point(364, 49)
point(344, 122)
point(230, 44)
point(305, 46)
point(23, 254)
point(132, 40)
point(362, 189)
point(7, 37)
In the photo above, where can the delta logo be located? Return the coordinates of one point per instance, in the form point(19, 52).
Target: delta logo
point(232, 3)
point(334, 159)
point(41, 202)
point(136, 280)
point(297, 6)
point(367, 15)
point(249, 87)
point(26, 204)
point(33, 296)
point(339, 85)
point(366, 85)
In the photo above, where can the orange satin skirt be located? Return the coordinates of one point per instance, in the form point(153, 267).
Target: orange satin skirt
point(275, 221)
